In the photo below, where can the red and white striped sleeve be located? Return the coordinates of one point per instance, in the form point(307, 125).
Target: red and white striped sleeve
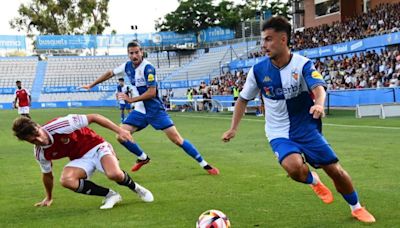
point(67, 124)
point(45, 165)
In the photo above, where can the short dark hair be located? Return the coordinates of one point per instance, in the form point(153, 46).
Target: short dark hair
point(18, 82)
point(24, 127)
point(279, 24)
point(121, 79)
point(134, 43)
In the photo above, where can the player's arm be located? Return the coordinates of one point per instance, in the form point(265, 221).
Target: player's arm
point(106, 123)
point(249, 92)
point(48, 181)
point(47, 177)
point(318, 110)
point(104, 77)
point(150, 93)
point(15, 102)
point(30, 100)
point(316, 83)
point(240, 107)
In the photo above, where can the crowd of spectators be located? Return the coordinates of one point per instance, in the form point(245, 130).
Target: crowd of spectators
point(360, 70)
point(385, 18)
point(363, 70)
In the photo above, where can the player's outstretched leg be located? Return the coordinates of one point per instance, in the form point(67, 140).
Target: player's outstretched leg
point(75, 179)
point(134, 148)
point(299, 171)
point(190, 149)
point(345, 187)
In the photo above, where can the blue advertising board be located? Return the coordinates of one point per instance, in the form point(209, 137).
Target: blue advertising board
point(215, 34)
point(73, 89)
point(121, 41)
point(7, 90)
point(12, 42)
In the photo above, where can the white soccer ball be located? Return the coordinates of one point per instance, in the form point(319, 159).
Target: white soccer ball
point(213, 219)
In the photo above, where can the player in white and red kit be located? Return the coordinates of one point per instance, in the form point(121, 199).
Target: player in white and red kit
point(23, 97)
point(70, 137)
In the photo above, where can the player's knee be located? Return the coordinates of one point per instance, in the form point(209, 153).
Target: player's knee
point(115, 175)
point(338, 173)
point(69, 182)
point(296, 171)
point(176, 139)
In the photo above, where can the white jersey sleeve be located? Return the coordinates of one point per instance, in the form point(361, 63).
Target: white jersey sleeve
point(45, 165)
point(28, 92)
point(119, 70)
point(67, 124)
point(250, 88)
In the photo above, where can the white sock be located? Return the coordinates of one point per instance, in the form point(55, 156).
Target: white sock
point(203, 163)
point(355, 207)
point(110, 193)
point(143, 156)
point(314, 179)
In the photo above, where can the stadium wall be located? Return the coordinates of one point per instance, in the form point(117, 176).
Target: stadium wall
point(336, 98)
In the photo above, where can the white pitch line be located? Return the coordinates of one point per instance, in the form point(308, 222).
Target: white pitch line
point(324, 124)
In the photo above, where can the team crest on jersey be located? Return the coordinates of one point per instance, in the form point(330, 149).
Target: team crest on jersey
point(315, 74)
point(267, 79)
point(295, 74)
point(64, 140)
point(151, 78)
point(269, 91)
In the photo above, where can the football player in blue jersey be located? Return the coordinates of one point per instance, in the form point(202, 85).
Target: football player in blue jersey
point(123, 105)
point(294, 95)
point(149, 108)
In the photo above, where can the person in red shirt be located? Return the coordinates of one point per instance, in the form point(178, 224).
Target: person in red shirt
point(23, 97)
point(70, 137)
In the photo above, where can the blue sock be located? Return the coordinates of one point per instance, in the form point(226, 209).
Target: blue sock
point(351, 198)
point(191, 150)
point(310, 178)
point(133, 148)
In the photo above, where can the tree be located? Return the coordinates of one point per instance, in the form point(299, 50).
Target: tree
point(62, 17)
point(228, 15)
point(195, 15)
point(253, 8)
point(191, 15)
point(278, 7)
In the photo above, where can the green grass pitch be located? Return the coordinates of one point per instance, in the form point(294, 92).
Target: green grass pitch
point(252, 190)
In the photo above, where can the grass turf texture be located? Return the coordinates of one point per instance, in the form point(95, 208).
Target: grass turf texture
point(252, 190)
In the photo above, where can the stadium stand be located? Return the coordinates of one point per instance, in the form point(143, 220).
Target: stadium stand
point(385, 18)
point(208, 64)
point(78, 71)
point(12, 69)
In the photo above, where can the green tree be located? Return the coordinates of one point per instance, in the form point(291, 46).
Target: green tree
point(191, 15)
point(228, 15)
point(62, 17)
point(252, 8)
point(195, 15)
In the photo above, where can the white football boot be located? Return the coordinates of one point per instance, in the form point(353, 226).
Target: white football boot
point(144, 193)
point(111, 199)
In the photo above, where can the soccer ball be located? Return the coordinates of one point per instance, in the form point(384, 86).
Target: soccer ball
point(213, 219)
